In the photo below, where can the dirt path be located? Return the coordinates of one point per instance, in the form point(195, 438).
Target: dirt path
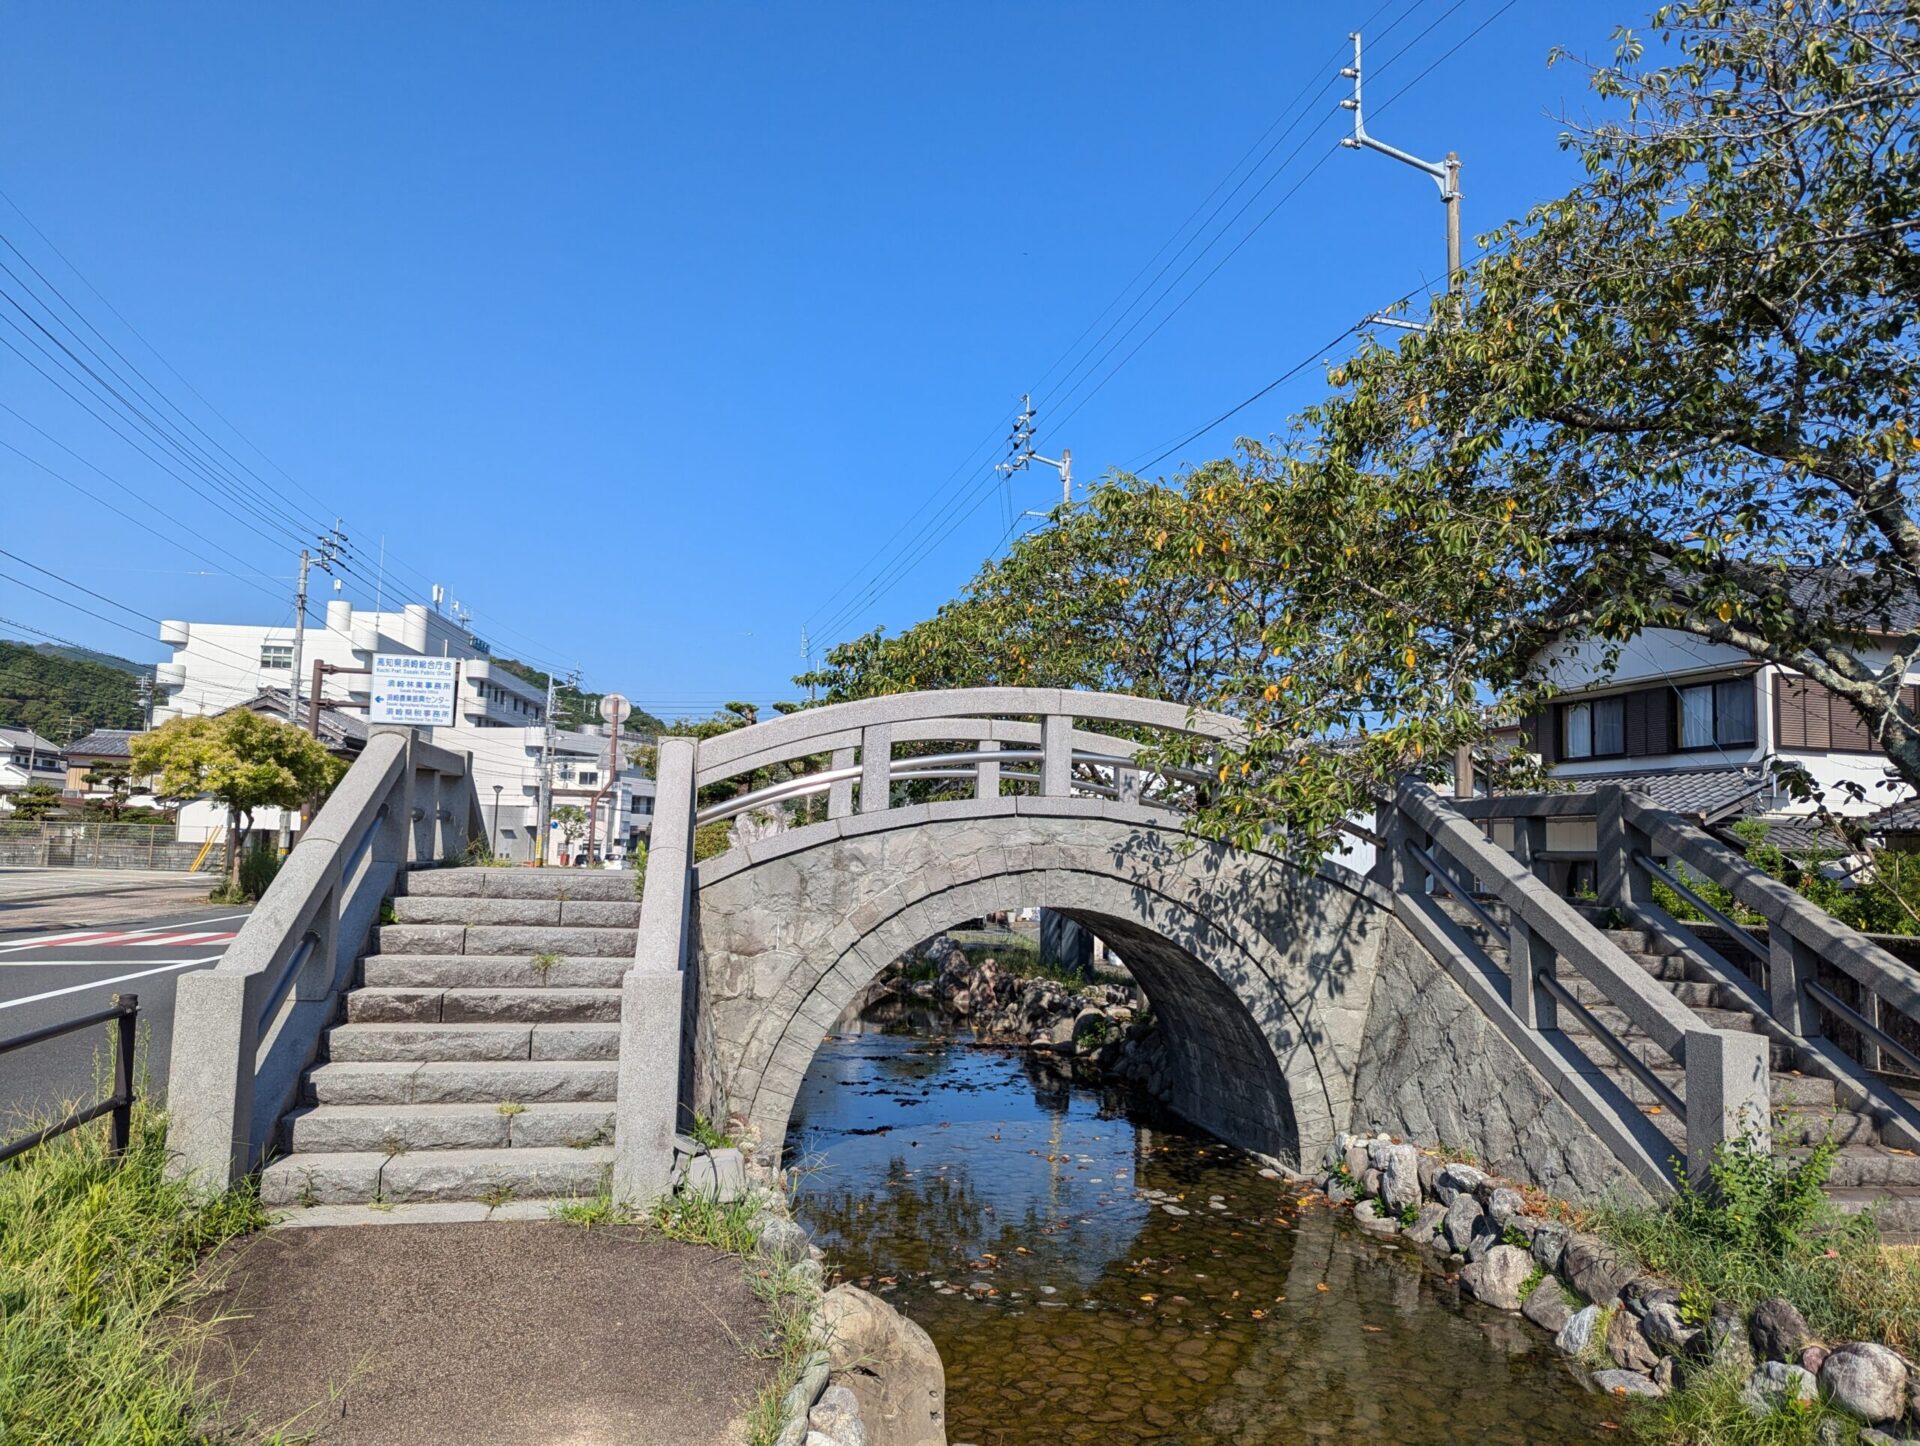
point(419, 1335)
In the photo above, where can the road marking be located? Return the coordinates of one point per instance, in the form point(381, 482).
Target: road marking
point(121, 938)
point(103, 983)
point(147, 941)
point(6, 964)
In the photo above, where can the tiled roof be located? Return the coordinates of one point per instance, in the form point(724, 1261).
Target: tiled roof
point(105, 743)
point(341, 732)
point(1899, 612)
point(27, 738)
point(1704, 793)
point(1903, 817)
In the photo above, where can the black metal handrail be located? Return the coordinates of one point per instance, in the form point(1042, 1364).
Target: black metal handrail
point(125, 1011)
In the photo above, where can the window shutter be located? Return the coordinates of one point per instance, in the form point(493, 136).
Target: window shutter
point(1789, 712)
point(1538, 731)
point(1636, 710)
point(1660, 720)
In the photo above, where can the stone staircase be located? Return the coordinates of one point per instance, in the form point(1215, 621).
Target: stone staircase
point(1867, 1173)
point(477, 1059)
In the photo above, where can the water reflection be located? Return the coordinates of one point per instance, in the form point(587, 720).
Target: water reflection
point(1093, 1273)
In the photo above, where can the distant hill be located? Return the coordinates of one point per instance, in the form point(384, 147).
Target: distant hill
point(57, 690)
point(574, 706)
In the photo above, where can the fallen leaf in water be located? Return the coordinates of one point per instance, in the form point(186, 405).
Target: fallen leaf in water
point(1322, 1286)
point(1259, 1314)
point(1372, 1330)
point(1148, 1299)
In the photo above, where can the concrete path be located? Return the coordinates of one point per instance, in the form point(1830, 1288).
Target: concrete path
point(446, 1335)
point(43, 899)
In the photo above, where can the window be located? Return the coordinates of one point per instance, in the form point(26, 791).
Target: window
point(587, 775)
point(276, 655)
point(1716, 715)
point(1595, 729)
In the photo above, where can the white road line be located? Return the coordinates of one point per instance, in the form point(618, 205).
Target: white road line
point(74, 936)
point(86, 963)
point(103, 983)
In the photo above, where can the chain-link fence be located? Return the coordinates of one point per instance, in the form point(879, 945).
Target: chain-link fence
point(97, 844)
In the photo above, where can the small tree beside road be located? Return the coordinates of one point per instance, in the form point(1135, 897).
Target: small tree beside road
point(242, 761)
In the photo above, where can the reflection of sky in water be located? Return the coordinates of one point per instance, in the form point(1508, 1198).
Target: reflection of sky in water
point(1000, 1207)
point(979, 1144)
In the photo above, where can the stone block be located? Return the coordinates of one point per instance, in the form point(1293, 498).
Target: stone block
point(576, 1041)
point(370, 1042)
point(1496, 1280)
point(1596, 1270)
point(338, 1179)
point(720, 1175)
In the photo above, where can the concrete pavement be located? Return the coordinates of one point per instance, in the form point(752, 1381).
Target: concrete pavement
point(91, 942)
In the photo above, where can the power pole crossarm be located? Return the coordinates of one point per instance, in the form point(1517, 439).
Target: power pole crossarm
point(1445, 174)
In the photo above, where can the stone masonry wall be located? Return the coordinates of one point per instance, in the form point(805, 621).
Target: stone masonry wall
point(1436, 1071)
point(1261, 972)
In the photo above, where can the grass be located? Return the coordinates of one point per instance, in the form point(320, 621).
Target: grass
point(1765, 1227)
point(708, 1135)
point(1710, 1408)
point(544, 965)
point(791, 1297)
point(97, 1260)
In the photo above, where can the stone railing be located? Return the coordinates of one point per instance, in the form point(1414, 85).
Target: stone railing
point(1435, 850)
point(245, 1029)
point(1018, 741)
point(1638, 844)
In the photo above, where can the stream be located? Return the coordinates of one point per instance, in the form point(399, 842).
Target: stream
point(1093, 1271)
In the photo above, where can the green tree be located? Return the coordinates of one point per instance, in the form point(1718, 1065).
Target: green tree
point(46, 691)
point(572, 822)
point(35, 802)
point(117, 781)
point(240, 759)
point(1679, 396)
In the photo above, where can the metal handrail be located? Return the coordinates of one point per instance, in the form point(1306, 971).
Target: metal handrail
point(125, 1012)
point(1673, 881)
point(1852, 1017)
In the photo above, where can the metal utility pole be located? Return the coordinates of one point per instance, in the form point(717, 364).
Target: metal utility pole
point(1020, 452)
point(331, 545)
point(546, 782)
point(1446, 174)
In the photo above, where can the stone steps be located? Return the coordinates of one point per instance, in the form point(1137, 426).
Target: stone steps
point(1865, 1173)
point(479, 1056)
point(599, 885)
point(535, 1004)
point(397, 1129)
point(356, 1177)
point(359, 1043)
point(400, 1082)
point(494, 971)
point(545, 913)
point(525, 940)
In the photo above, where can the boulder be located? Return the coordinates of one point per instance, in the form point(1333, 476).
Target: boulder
point(1456, 1180)
point(1496, 1279)
point(1399, 1167)
point(1729, 1341)
point(1356, 1158)
point(719, 1174)
point(1628, 1346)
point(1778, 1331)
point(836, 1418)
point(1576, 1335)
point(780, 1239)
point(1429, 1169)
point(890, 1366)
point(1463, 1214)
point(1502, 1205)
point(1091, 1029)
point(1626, 1383)
point(1546, 1306)
point(1596, 1269)
point(1368, 1217)
point(1776, 1383)
point(1549, 1243)
point(1426, 1222)
point(1866, 1381)
point(1667, 1333)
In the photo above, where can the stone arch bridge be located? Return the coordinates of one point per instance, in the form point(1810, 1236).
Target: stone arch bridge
point(1445, 994)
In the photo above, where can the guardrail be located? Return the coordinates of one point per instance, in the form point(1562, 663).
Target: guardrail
point(1436, 849)
point(124, 1014)
point(245, 1029)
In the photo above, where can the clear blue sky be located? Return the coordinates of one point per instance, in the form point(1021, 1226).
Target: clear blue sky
point(645, 327)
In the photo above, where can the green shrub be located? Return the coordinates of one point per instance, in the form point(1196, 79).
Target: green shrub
point(259, 866)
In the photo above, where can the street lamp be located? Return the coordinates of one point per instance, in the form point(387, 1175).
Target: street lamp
point(493, 845)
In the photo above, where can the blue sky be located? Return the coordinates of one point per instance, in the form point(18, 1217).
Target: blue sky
point(646, 328)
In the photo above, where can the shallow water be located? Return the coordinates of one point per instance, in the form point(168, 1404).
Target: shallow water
point(1010, 1212)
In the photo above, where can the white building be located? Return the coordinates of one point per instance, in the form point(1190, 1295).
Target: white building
point(500, 719)
point(27, 758)
point(1703, 728)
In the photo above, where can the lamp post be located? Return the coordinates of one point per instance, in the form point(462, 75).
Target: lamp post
point(493, 843)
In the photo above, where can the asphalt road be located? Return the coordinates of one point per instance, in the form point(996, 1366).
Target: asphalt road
point(52, 974)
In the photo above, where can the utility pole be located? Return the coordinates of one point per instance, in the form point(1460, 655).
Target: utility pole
point(331, 545)
point(806, 657)
point(1446, 174)
point(546, 782)
point(1020, 452)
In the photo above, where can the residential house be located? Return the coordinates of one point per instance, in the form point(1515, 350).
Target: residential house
point(98, 752)
point(25, 759)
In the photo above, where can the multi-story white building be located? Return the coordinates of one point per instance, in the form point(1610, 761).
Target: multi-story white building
point(499, 718)
point(217, 666)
